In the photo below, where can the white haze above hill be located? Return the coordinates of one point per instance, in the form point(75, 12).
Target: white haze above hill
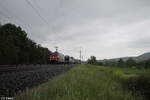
point(139, 58)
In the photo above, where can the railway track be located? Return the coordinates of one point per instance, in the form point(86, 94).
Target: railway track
point(18, 78)
point(4, 69)
point(13, 68)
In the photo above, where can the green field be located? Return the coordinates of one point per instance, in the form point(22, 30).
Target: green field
point(87, 82)
point(131, 70)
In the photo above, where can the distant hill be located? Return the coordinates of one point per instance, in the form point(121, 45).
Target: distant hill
point(139, 58)
point(143, 57)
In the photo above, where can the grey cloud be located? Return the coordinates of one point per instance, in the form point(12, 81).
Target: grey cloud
point(102, 27)
point(141, 43)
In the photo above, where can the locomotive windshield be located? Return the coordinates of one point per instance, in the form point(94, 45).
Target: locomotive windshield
point(54, 54)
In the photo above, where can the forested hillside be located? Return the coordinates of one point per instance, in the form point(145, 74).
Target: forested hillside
point(17, 48)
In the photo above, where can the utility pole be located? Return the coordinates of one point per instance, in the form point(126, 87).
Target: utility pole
point(56, 48)
point(80, 56)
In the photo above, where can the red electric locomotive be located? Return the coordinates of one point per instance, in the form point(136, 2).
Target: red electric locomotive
point(56, 57)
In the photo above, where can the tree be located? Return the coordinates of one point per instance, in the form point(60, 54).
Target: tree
point(92, 60)
point(17, 48)
point(147, 64)
point(120, 63)
point(130, 62)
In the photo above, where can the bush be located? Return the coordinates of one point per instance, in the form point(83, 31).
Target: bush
point(118, 74)
point(141, 84)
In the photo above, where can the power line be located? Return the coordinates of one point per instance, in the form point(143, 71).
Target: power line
point(37, 5)
point(36, 11)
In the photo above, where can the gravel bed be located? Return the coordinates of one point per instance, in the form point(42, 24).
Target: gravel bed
point(11, 83)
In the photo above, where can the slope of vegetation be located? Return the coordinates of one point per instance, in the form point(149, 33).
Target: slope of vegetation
point(137, 80)
point(85, 82)
point(129, 71)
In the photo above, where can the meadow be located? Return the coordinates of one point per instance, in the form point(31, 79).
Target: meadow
point(89, 82)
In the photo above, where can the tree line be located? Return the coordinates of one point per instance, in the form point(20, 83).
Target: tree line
point(17, 48)
point(120, 63)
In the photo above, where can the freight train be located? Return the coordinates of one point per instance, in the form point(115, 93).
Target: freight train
point(59, 58)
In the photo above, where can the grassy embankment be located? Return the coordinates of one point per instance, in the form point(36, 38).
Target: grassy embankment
point(136, 80)
point(85, 82)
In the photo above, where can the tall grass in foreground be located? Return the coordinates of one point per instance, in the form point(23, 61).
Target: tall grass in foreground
point(85, 82)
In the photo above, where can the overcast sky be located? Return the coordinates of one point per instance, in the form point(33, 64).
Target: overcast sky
point(103, 28)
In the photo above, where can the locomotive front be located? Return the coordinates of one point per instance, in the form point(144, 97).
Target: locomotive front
point(56, 57)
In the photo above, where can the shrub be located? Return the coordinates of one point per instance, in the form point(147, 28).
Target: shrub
point(141, 84)
point(118, 74)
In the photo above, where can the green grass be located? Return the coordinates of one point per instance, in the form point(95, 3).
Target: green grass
point(85, 82)
point(136, 80)
point(131, 70)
